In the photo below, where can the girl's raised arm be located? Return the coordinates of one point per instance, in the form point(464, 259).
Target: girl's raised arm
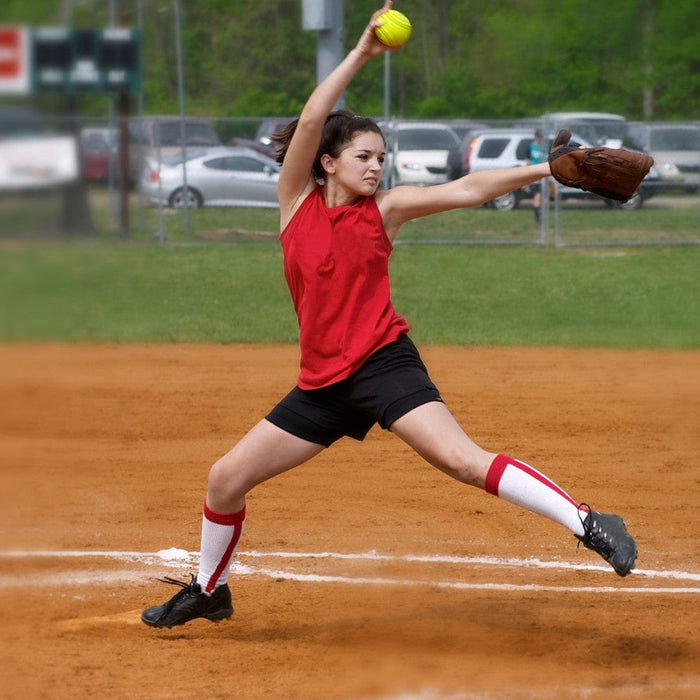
point(296, 179)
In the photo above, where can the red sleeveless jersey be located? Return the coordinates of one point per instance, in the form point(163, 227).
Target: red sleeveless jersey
point(336, 263)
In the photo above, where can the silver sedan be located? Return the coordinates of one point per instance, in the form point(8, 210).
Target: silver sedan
point(219, 177)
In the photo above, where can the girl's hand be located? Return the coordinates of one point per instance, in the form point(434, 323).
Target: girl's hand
point(368, 44)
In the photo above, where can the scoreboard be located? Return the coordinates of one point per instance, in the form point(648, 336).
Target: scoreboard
point(73, 60)
point(86, 60)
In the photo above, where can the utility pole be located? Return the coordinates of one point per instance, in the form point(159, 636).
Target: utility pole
point(327, 18)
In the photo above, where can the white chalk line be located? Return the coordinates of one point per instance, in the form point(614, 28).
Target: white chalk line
point(178, 557)
point(644, 688)
point(527, 562)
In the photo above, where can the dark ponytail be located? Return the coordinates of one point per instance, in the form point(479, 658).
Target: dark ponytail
point(339, 130)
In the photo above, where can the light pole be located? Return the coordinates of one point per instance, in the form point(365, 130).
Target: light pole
point(327, 18)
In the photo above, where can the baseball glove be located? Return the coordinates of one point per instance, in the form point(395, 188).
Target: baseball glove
point(614, 173)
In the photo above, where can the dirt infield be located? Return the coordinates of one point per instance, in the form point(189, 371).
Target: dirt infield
point(364, 574)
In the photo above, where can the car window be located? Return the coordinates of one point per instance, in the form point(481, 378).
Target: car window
point(95, 143)
point(675, 140)
point(20, 122)
point(595, 130)
point(245, 164)
point(492, 148)
point(138, 133)
point(426, 139)
point(636, 138)
point(523, 149)
point(216, 164)
point(586, 130)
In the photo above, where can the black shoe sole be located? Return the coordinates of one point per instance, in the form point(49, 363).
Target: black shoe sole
point(216, 616)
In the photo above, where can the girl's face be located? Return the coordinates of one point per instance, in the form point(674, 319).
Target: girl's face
point(359, 165)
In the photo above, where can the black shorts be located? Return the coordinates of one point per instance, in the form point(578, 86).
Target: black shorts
point(390, 383)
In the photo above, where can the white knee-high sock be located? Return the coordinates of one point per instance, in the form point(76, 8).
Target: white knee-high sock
point(220, 535)
point(521, 484)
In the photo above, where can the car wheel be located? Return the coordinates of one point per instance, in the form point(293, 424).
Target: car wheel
point(177, 198)
point(506, 202)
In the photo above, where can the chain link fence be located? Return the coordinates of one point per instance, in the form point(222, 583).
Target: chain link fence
point(98, 201)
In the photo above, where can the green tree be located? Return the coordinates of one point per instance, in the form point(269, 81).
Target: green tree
point(466, 58)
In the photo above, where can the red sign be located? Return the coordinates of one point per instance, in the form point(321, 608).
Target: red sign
point(14, 56)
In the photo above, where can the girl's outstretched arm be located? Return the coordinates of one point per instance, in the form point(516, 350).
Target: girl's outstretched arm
point(406, 202)
point(296, 179)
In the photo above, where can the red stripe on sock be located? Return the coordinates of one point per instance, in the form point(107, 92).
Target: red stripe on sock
point(494, 474)
point(540, 477)
point(224, 560)
point(223, 518)
point(231, 519)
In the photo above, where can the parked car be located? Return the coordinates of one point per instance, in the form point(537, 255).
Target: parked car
point(99, 153)
point(226, 176)
point(597, 128)
point(507, 148)
point(500, 148)
point(675, 149)
point(263, 136)
point(456, 157)
point(32, 154)
point(163, 137)
point(417, 152)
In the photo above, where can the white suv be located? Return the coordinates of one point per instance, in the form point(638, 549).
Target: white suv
point(508, 148)
point(417, 152)
point(32, 155)
point(500, 148)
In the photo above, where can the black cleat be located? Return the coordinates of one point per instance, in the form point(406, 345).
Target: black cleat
point(189, 604)
point(607, 535)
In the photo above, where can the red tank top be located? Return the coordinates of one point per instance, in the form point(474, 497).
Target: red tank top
point(336, 263)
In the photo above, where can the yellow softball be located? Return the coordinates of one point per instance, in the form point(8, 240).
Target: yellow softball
point(395, 28)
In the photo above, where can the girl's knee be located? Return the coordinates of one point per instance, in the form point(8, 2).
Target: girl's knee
point(226, 482)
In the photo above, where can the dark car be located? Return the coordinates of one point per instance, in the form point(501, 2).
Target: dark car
point(262, 142)
point(456, 157)
point(99, 154)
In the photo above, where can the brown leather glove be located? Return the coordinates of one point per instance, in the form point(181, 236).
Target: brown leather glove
point(614, 173)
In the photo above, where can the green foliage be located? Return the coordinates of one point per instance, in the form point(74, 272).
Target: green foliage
point(466, 59)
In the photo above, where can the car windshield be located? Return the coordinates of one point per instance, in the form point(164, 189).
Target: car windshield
point(195, 134)
point(675, 140)
point(98, 140)
point(426, 140)
point(21, 122)
point(599, 131)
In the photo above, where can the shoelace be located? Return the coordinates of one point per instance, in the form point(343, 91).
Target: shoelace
point(586, 528)
point(593, 534)
point(187, 589)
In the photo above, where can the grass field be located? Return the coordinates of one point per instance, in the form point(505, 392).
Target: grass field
point(219, 276)
point(221, 292)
